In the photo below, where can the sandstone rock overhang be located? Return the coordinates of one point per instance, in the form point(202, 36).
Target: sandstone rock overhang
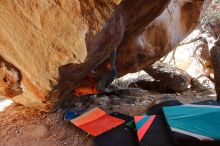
point(51, 45)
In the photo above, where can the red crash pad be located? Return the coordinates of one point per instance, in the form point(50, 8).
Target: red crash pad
point(96, 122)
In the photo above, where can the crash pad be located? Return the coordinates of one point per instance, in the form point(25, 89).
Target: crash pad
point(158, 108)
point(152, 131)
point(71, 114)
point(96, 121)
point(119, 136)
point(194, 123)
point(131, 124)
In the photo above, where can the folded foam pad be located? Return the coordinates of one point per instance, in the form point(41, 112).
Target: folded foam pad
point(156, 110)
point(131, 124)
point(194, 123)
point(152, 131)
point(119, 136)
point(96, 122)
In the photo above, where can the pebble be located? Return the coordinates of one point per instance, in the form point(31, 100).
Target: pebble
point(178, 94)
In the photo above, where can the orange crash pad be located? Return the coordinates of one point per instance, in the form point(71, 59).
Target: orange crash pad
point(96, 122)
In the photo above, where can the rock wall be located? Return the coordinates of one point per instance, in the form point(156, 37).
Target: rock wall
point(161, 36)
point(215, 59)
point(50, 45)
point(38, 37)
point(213, 39)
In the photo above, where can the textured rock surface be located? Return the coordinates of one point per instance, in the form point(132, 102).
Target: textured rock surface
point(212, 57)
point(160, 37)
point(40, 36)
point(170, 77)
point(215, 59)
point(197, 86)
point(51, 45)
point(147, 85)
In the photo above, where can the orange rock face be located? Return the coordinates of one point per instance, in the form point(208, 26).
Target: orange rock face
point(48, 47)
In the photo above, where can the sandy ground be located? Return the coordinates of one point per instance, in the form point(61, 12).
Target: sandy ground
point(23, 126)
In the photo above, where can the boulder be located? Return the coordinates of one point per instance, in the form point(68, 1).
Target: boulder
point(200, 87)
point(48, 47)
point(176, 22)
point(171, 77)
point(128, 80)
point(146, 85)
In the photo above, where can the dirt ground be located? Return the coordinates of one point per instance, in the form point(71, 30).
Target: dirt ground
point(23, 126)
